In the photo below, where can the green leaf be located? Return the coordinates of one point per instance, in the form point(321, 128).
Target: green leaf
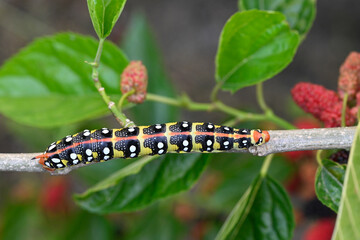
point(127, 191)
point(139, 44)
point(263, 212)
point(48, 83)
point(299, 13)
point(348, 219)
point(239, 173)
point(329, 183)
point(104, 14)
point(254, 46)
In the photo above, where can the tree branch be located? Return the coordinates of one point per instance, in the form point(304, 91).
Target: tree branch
point(280, 141)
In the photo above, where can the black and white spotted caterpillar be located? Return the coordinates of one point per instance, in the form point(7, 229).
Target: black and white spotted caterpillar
point(181, 137)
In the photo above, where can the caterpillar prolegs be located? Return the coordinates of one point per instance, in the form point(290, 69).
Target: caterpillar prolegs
point(181, 137)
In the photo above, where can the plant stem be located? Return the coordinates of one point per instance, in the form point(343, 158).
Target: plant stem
point(266, 165)
point(119, 116)
point(260, 97)
point(123, 97)
point(343, 110)
point(215, 91)
point(188, 104)
point(318, 157)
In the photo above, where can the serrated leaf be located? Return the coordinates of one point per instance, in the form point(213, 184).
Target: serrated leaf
point(263, 212)
point(126, 191)
point(254, 46)
point(329, 183)
point(299, 13)
point(348, 219)
point(104, 14)
point(139, 44)
point(48, 83)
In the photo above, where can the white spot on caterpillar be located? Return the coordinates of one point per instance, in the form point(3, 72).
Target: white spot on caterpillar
point(244, 131)
point(51, 147)
point(160, 145)
point(88, 152)
point(226, 143)
point(133, 155)
point(105, 131)
point(244, 141)
point(210, 126)
point(106, 150)
point(158, 126)
point(55, 160)
point(185, 124)
point(75, 161)
point(90, 159)
point(226, 128)
point(86, 133)
point(47, 164)
point(161, 151)
point(59, 165)
point(208, 142)
point(132, 148)
point(186, 149)
point(185, 143)
point(106, 157)
point(208, 149)
point(73, 156)
point(68, 139)
point(131, 129)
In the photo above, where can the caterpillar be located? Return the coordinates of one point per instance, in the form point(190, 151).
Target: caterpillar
point(130, 142)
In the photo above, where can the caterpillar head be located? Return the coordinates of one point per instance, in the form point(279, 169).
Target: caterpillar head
point(259, 137)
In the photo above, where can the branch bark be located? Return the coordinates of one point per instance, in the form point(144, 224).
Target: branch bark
point(280, 141)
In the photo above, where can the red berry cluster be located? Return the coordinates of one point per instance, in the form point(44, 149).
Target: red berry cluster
point(134, 77)
point(326, 105)
point(349, 79)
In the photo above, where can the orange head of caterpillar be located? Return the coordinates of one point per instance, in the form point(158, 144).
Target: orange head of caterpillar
point(42, 158)
point(259, 137)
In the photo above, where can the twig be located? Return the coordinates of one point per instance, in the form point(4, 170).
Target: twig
point(306, 139)
point(280, 141)
point(119, 116)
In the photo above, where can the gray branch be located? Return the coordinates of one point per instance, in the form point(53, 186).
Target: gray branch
point(280, 141)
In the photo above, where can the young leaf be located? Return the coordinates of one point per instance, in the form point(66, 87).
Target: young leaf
point(299, 13)
point(48, 83)
point(348, 219)
point(254, 46)
point(126, 191)
point(329, 183)
point(104, 14)
point(139, 44)
point(263, 212)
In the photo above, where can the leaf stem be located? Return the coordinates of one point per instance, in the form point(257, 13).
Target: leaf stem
point(266, 165)
point(119, 116)
point(124, 97)
point(343, 110)
point(214, 92)
point(260, 97)
point(318, 157)
point(185, 102)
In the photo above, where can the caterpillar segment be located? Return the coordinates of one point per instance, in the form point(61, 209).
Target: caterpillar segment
point(131, 142)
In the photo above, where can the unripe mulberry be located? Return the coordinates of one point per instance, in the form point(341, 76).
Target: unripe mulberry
point(134, 77)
